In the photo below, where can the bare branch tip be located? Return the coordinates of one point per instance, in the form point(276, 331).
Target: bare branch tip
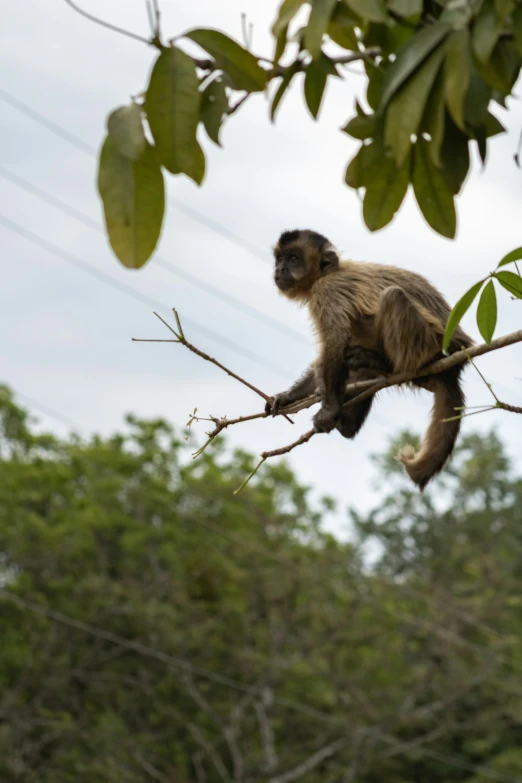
point(245, 482)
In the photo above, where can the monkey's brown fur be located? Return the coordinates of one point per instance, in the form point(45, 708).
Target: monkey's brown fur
point(370, 320)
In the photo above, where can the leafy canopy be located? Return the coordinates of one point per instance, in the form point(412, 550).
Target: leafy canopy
point(433, 70)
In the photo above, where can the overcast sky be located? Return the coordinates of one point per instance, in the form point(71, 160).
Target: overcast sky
point(67, 336)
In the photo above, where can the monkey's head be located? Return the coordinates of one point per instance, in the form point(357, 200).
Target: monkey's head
point(301, 258)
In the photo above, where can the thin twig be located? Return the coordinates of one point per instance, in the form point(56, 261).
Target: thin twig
point(245, 482)
point(157, 19)
point(507, 407)
point(180, 338)
point(109, 26)
point(244, 30)
point(150, 15)
point(285, 449)
point(236, 106)
point(473, 413)
point(489, 386)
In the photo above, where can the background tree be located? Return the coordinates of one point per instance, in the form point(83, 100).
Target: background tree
point(154, 628)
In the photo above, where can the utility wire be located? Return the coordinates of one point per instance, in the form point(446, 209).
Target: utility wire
point(52, 412)
point(59, 130)
point(84, 266)
point(168, 266)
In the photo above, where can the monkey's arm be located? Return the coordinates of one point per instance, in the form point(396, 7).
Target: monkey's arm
point(303, 387)
point(333, 376)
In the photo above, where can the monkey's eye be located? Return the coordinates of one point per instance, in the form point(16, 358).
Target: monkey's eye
point(293, 258)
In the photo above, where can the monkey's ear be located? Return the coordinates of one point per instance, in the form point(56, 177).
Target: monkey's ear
point(329, 260)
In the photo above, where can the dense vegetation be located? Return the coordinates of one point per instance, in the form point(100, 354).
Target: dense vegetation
point(157, 628)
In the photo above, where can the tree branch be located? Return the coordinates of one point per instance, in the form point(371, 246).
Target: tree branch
point(367, 388)
point(313, 761)
point(110, 26)
point(180, 338)
point(361, 389)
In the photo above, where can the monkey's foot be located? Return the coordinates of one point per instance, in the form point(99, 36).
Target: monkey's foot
point(357, 358)
point(325, 419)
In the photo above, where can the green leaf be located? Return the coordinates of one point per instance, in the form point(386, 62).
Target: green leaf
point(517, 27)
point(405, 8)
point(173, 106)
point(133, 196)
point(477, 100)
point(486, 31)
point(482, 144)
point(434, 119)
point(454, 156)
point(242, 67)
point(364, 165)
point(341, 28)
point(514, 255)
point(504, 8)
point(457, 14)
point(458, 313)
point(214, 106)
point(361, 127)
point(511, 282)
point(385, 194)
point(407, 106)
point(281, 42)
point(487, 312)
point(125, 128)
point(376, 77)
point(502, 70)
point(457, 75)
point(493, 126)
point(314, 84)
point(371, 10)
point(410, 56)
point(320, 15)
point(287, 11)
point(432, 192)
point(290, 72)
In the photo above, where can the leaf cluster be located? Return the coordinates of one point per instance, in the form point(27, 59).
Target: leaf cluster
point(433, 69)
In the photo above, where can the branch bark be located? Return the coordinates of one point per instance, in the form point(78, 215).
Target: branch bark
point(181, 339)
point(362, 389)
point(311, 762)
point(367, 388)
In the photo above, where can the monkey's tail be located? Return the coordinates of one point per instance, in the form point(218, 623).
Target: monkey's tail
point(440, 437)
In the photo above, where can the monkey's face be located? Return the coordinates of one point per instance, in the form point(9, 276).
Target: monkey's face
point(301, 258)
point(290, 267)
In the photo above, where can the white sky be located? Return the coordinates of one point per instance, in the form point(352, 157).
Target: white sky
point(66, 336)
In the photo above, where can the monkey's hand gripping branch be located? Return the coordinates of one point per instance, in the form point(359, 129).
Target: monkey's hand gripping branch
point(363, 389)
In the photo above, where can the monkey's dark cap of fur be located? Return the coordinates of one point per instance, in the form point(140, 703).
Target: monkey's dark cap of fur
point(287, 237)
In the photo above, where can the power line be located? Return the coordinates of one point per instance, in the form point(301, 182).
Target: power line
point(48, 411)
point(219, 229)
point(168, 266)
point(229, 682)
point(84, 266)
point(59, 130)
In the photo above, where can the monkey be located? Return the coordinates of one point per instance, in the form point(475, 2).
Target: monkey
point(371, 320)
